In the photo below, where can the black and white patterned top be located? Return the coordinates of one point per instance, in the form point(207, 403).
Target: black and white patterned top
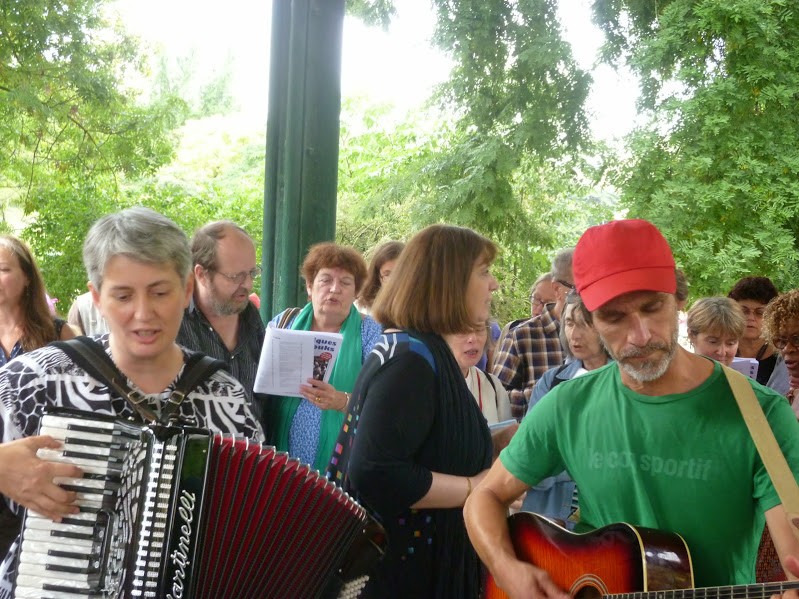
point(47, 377)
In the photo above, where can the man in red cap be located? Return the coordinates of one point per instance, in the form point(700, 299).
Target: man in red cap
point(655, 439)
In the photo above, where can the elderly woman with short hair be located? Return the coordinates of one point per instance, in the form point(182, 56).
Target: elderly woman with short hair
point(307, 427)
point(715, 325)
point(138, 263)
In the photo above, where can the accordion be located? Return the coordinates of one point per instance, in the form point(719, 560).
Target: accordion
point(173, 512)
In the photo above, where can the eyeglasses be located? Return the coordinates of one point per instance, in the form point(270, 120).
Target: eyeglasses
point(564, 283)
point(240, 277)
point(750, 311)
point(782, 342)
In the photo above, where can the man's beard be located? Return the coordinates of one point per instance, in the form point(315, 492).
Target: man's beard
point(227, 307)
point(648, 370)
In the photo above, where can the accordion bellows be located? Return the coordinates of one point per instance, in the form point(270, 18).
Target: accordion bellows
point(173, 512)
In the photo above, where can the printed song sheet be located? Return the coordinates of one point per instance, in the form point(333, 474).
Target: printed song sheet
point(747, 366)
point(289, 358)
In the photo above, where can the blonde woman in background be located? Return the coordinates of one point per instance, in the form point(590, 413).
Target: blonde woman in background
point(715, 326)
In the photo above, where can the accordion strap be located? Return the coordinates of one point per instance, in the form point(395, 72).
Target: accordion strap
point(90, 355)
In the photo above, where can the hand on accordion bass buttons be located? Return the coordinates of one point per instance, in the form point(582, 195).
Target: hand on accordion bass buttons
point(29, 481)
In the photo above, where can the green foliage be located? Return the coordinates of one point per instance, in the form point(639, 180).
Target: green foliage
point(504, 160)
point(717, 168)
point(56, 234)
point(70, 131)
point(372, 12)
point(214, 176)
point(215, 97)
point(63, 106)
point(391, 185)
point(517, 95)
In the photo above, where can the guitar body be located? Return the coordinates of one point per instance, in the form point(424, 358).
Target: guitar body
point(619, 558)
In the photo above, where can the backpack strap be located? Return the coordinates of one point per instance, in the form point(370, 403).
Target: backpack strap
point(555, 380)
point(289, 314)
point(90, 355)
point(491, 382)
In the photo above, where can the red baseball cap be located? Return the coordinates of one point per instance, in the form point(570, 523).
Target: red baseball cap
point(619, 257)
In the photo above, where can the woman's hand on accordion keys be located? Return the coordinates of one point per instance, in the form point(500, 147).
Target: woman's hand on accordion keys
point(28, 480)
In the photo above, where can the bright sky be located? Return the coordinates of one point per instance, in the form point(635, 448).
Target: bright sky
point(398, 66)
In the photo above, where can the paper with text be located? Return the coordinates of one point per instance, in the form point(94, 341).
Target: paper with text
point(289, 358)
point(747, 366)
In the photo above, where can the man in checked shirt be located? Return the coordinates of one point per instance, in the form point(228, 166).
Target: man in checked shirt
point(533, 347)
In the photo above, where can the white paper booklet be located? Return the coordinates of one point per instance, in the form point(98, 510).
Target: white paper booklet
point(747, 366)
point(289, 358)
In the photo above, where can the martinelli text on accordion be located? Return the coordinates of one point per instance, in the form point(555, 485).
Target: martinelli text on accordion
point(175, 512)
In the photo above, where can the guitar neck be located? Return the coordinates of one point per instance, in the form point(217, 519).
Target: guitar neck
point(751, 591)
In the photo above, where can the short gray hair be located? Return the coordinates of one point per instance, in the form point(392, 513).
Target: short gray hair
point(137, 233)
point(562, 265)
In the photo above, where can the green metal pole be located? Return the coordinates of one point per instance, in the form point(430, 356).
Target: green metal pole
point(275, 124)
point(302, 143)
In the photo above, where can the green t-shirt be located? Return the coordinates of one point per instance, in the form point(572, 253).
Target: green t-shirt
point(683, 463)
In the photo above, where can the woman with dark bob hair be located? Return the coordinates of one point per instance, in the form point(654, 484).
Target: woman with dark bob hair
point(384, 259)
point(753, 295)
point(415, 442)
point(307, 427)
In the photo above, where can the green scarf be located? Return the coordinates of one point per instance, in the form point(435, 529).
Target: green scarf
point(342, 377)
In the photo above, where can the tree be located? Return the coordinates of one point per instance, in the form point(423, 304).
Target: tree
point(717, 167)
point(517, 92)
point(216, 97)
point(386, 192)
point(71, 132)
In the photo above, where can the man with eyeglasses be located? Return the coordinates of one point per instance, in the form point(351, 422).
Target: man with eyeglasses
point(221, 321)
point(542, 293)
point(533, 347)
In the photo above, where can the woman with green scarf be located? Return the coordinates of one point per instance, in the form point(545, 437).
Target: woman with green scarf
point(306, 427)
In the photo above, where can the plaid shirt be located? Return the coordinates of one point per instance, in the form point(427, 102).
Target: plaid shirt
point(529, 350)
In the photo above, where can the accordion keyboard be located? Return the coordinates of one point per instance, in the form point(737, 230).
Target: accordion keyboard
point(65, 560)
point(179, 512)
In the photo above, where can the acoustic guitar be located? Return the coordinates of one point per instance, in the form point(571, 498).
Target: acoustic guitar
point(619, 561)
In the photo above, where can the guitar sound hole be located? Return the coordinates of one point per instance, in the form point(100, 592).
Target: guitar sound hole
point(588, 592)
